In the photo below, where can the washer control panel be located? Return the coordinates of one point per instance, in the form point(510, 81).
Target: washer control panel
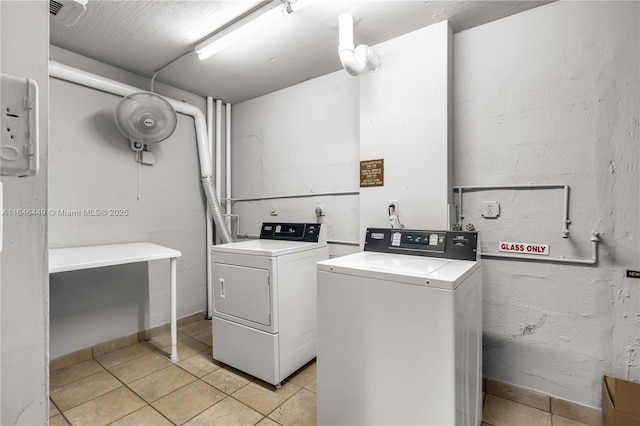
point(449, 244)
point(308, 232)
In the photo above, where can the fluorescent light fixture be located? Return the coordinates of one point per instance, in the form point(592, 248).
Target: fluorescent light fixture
point(242, 29)
point(250, 24)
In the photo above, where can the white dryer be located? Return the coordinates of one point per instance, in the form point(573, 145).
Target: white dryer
point(400, 331)
point(264, 300)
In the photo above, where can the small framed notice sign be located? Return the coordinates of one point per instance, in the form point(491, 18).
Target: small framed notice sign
point(372, 173)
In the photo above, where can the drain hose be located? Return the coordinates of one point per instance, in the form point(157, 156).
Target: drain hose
point(214, 207)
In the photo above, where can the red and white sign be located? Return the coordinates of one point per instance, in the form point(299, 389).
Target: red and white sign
point(524, 248)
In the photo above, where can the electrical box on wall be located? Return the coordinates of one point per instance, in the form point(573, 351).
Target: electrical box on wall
point(490, 209)
point(19, 120)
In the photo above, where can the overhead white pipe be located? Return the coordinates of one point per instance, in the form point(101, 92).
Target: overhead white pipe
point(227, 168)
point(355, 60)
point(304, 195)
point(65, 72)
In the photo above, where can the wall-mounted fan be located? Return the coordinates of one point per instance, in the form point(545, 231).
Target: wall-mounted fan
point(145, 118)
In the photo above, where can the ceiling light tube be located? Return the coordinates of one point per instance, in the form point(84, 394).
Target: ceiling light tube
point(242, 29)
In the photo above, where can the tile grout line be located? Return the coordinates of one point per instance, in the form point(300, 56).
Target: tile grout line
point(283, 402)
point(147, 404)
point(59, 411)
point(155, 350)
point(198, 379)
point(271, 412)
point(84, 402)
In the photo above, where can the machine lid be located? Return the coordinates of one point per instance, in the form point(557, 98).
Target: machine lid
point(266, 247)
point(417, 270)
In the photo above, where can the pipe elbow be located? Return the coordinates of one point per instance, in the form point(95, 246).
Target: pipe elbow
point(355, 60)
point(351, 63)
point(360, 60)
point(371, 60)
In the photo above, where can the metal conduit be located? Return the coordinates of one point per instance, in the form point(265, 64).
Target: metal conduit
point(565, 209)
point(595, 235)
point(305, 195)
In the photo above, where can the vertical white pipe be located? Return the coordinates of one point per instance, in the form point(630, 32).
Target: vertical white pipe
point(219, 148)
point(565, 213)
point(209, 229)
point(227, 168)
point(174, 329)
point(345, 33)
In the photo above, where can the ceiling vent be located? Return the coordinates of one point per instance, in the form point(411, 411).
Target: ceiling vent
point(67, 11)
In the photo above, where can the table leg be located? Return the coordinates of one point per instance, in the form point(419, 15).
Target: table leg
point(174, 328)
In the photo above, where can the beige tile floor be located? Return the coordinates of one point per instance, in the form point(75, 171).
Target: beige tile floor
point(137, 385)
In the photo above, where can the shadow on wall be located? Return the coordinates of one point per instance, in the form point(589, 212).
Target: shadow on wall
point(547, 366)
point(105, 125)
point(116, 297)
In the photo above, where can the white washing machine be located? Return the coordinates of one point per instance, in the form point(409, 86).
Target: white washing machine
point(264, 300)
point(400, 331)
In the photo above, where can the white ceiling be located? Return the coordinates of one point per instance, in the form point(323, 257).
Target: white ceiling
point(143, 36)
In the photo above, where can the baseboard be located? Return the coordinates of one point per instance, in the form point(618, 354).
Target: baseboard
point(120, 342)
point(542, 401)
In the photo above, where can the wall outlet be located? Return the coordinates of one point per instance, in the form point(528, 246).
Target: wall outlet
point(490, 209)
point(321, 210)
point(273, 210)
point(393, 207)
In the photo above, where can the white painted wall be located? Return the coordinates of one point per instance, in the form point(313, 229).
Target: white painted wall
point(546, 96)
point(311, 137)
point(405, 119)
point(303, 139)
point(24, 49)
point(92, 167)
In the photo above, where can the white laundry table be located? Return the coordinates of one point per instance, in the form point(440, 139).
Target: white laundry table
point(87, 257)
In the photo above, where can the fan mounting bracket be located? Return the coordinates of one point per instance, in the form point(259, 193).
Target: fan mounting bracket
point(136, 146)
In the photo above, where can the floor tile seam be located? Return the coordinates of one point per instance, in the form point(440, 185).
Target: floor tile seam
point(189, 357)
point(563, 417)
point(284, 402)
point(146, 404)
point(201, 332)
point(503, 396)
point(59, 411)
point(519, 403)
point(81, 378)
point(226, 396)
point(229, 394)
point(196, 334)
point(141, 398)
point(310, 390)
point(251, 408)
point(267, 415)
point(91, 399)
point(166, 350)
point(115, 365)
point(163, 396)
point(141, 377)
point(212, 405)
